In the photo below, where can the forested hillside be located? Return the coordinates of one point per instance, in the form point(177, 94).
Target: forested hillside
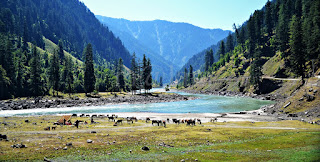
point(67, 20)
point(284, 30)
point(62, 49)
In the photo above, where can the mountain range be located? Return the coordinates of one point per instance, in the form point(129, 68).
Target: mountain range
point(169, 45)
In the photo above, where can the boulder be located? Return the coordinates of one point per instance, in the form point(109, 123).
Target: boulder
point(145, 148)
point(89, 141)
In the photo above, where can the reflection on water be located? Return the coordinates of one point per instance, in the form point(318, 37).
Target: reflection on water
point(205, 104)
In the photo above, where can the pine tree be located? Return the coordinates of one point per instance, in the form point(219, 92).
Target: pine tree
point(120, 77)
point(297, 57)
point(60, 52)
point(134, 73)
point(35, 70)
point(191, 79)
point(268, 18)
point(4, 84)
point(149, 79)
point(161, 82)
point(222, 49)
point(283, 28)
point(255, 75)
point(9, 66)
point(54, 72)
point(251, 37)
point(89, 77)
point(185, 78)
point(145, 73)
point(229, 44)
point(68, 74)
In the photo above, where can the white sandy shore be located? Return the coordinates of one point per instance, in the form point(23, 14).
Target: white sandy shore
point(251, 116)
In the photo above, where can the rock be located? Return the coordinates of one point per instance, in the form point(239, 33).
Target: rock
point(46, 159)
point(310, 90)
point(89, 141)
point(93, 132)
point(27, 121)
point(65, 148)
point(195, 159)
point(145, 148)
point(69, 144)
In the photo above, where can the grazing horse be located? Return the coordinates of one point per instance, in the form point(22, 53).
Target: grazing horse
point(48, 128)
point(53, 128)
point(164, 123)
point(147, 119)
point(82, 115)
point(168, 120)
point(176, 121)
point(119, 121)
point(157, 122)
point(129, 120)
point(214, 120)
point(111, 118)
point(191, 122)
point(199, 121)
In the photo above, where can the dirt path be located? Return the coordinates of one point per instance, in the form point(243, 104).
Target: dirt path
point(285, 79)
point(149, 125)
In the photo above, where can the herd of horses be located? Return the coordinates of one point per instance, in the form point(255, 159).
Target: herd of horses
point(130, 120)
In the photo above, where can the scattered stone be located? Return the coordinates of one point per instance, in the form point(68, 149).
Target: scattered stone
point(27, 121)
point(182, 160)
point(46, 159)
point(145, 148)
point(195, 159)
point(19, 146)
point(65, 148)
point(89, 141)
point(3, 137)
point(130, 151)
point(285, 106)
point(69, 144)
point(93, 132)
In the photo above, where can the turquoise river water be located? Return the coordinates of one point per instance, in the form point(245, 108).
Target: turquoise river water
point(205, 104)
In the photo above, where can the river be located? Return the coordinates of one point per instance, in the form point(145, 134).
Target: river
point(205, 104)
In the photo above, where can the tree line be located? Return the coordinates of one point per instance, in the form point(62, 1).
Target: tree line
point(288, 27)
point(24, 71)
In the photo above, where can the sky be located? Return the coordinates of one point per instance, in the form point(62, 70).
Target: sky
point(208, 14)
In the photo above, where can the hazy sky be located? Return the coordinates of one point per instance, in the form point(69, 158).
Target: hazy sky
point(204, 13)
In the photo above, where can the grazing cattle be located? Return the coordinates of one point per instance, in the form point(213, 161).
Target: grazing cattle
point(82, 115)
point(48, 128)
point(53, 128)
point(168, 120)
point(147, 119)
point(119, 121)
point(75, 115)
point(87, 115)
point(94, 116)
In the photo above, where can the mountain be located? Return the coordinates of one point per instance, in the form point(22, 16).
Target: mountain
point(197, 61)
point(173, 43)
point(67, 20)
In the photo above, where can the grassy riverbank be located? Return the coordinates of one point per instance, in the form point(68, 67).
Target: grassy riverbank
point(244, 141)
